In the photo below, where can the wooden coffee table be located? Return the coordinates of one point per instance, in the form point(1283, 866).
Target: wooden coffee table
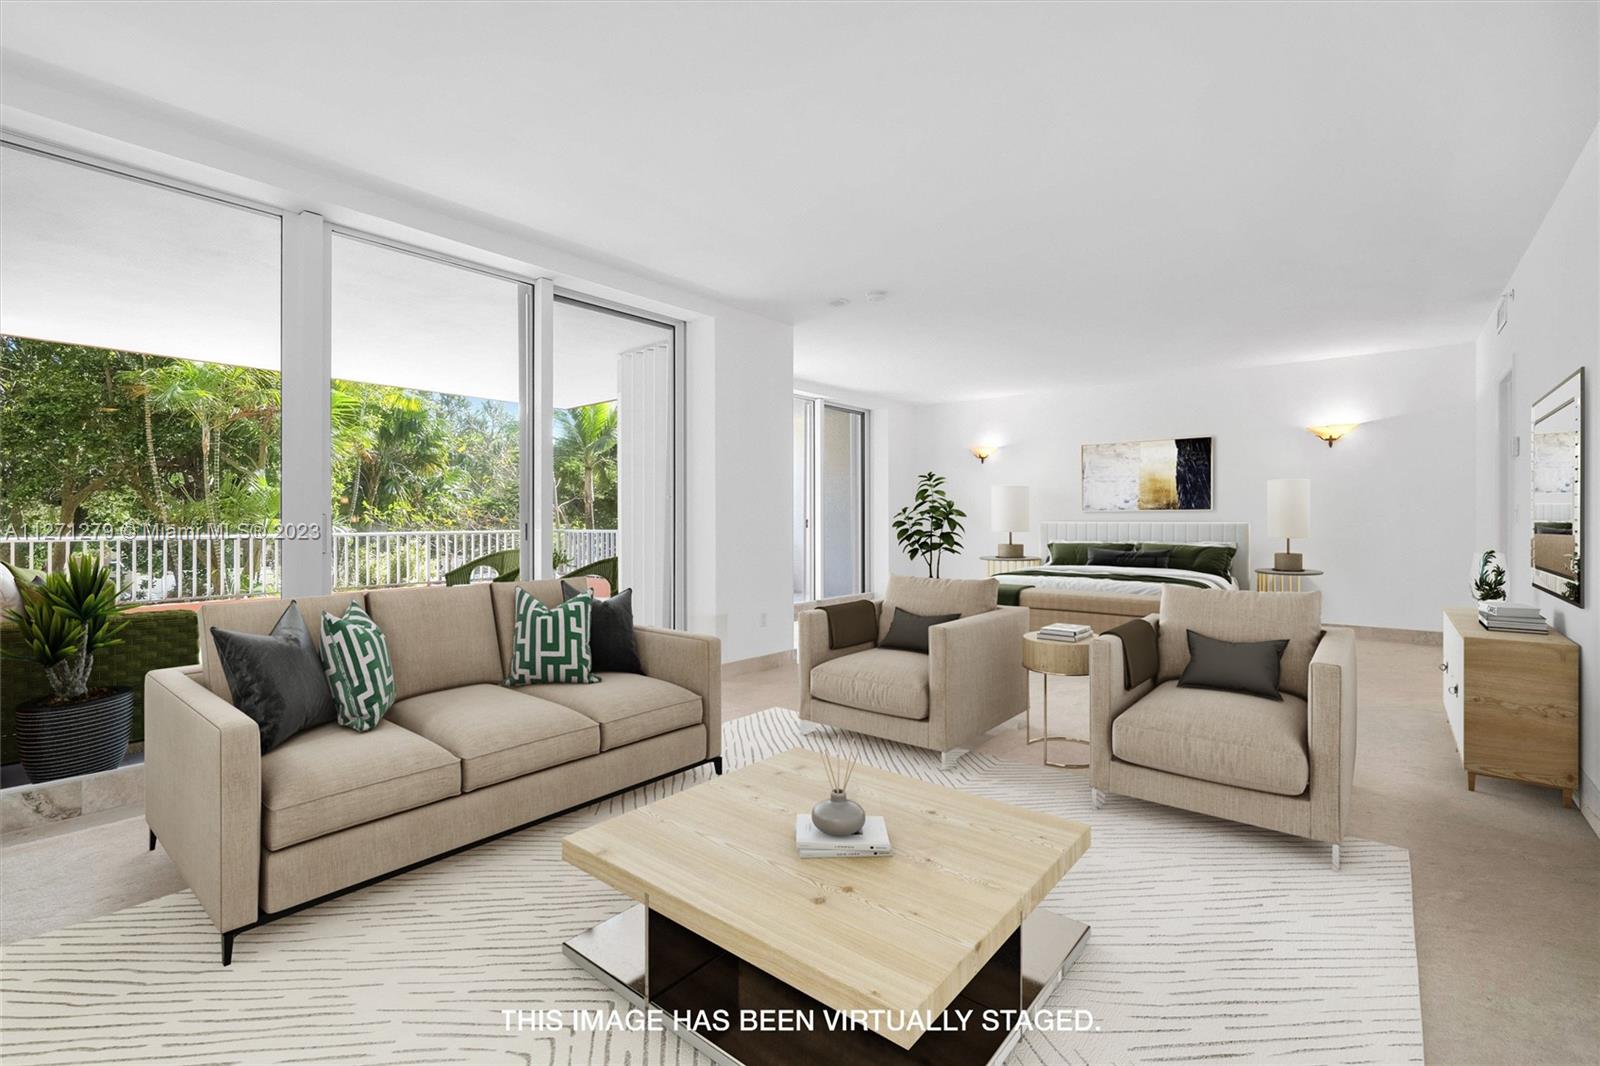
point(730, 918)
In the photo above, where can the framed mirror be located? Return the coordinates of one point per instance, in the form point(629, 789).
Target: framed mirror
point(1556, 458)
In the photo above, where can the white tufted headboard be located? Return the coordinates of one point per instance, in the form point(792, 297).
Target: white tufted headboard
point(1160, 533)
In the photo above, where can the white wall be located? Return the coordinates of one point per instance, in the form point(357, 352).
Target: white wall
point(740, 365)
point(1391, 504)
point(1554, 328)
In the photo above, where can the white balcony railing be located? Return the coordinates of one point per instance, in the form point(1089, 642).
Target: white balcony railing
point(215, 565)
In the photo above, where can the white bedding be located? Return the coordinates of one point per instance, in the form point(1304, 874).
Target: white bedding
point(1101, 580)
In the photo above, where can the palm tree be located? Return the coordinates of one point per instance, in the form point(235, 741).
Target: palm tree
point(586, 445)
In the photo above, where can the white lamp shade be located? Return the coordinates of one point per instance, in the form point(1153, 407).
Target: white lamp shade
point(1008, 508)
point(1289, 507)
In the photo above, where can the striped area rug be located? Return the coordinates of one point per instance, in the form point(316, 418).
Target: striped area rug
point(1211, 941)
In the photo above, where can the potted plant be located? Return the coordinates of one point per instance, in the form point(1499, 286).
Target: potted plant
point(930, 525)
point(62, 623)
point(1491, 580)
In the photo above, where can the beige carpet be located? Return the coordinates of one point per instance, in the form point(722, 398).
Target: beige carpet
point(1210, 940)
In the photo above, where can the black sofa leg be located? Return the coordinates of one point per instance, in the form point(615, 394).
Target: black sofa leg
point(152, 840)
point(716, 763)
point(227, 949)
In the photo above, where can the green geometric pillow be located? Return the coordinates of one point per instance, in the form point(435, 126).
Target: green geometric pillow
point(359, 669)
point(550, 645)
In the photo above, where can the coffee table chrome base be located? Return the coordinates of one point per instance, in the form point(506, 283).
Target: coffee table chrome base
point(617, 952)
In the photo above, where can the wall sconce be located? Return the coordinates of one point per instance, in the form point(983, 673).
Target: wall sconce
point(983, 451)
point(1334, 432)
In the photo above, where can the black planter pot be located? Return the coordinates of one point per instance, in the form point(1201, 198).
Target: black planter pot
point(68, 739)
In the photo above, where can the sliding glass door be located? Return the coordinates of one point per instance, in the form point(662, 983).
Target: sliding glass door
point(830, 463)
point(424, 415)
point(140, 373)
point(613, 472)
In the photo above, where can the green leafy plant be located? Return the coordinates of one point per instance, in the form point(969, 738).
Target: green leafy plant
point(65, 620)
point(930, 525)
point(1491, 580)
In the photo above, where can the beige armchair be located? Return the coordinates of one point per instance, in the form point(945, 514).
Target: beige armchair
point(1285, 766)
point(970, 681)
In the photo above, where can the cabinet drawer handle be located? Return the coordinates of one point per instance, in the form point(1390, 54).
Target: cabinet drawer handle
point(1444, 668)
point(1455, 690)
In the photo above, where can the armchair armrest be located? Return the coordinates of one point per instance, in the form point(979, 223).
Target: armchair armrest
point(1107, 699)
point(975, 675)
point(203, 792)
point(1331, 732)
point(813, 649)
point(692, 661)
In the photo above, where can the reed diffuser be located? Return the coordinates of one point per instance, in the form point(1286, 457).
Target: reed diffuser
point(838, 815)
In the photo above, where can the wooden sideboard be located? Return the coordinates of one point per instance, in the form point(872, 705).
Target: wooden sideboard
point(1512, 702)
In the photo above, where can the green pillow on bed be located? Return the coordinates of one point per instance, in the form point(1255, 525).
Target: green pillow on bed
point(1203, 558)
point(1076, 552)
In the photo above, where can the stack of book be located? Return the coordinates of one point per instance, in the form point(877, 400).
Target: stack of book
point(1071, 632)
point(1511, 618)
point(813, 843)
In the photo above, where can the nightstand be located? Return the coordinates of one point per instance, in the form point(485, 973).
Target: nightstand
point(1270, 580)
point(999, 564)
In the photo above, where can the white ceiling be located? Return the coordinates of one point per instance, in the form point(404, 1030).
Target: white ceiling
point(1062, 193)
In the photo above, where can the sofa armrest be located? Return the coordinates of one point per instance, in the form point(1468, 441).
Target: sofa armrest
point(692, 661)
point(813, 649)
point(202, 769)
point(1109, 698)
point(1331, 733)
point(976, 679)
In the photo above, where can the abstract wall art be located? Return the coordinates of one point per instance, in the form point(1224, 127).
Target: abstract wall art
point(1148, 475)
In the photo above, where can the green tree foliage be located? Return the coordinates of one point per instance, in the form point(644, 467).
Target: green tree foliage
point(95, 436)
point(586, 466)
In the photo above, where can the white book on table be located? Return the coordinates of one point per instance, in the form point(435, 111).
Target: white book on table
point(1509, 610)
point(813, 843)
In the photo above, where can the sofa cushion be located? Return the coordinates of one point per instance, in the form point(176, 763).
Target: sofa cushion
point(937, 595)
point(1225, 737)
point(885, 680)
point(496, 732)
point(1241, 616)
point(259, 616)
point(628, 707)
point(438, 637)
point(330, 778)
point(503, 594)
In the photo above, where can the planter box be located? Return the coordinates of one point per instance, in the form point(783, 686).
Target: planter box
point(152, 640)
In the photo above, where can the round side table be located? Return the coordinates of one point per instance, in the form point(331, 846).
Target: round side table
point(1063, 659)
point(1270, 580)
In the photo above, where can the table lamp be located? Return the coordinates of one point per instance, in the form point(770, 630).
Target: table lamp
point(1008, 507)
point(1288, 516)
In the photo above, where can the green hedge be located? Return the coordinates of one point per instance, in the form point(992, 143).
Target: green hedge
point(152, 640)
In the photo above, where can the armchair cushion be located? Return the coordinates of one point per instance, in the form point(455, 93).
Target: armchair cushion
point(1251, 667)
point(1241, 616)
point(909, 632)
point(1224, 737)
point(937, 595)
point(884, 680)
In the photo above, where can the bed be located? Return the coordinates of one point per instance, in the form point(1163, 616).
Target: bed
point(1102, 597)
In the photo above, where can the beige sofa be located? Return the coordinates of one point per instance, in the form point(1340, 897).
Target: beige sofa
point(1287, 766)
point(971, 680)
point(459, 758)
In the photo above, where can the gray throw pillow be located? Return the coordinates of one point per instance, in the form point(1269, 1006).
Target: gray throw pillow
point(1251, 667)
point(276, 679)
point(909, 632)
